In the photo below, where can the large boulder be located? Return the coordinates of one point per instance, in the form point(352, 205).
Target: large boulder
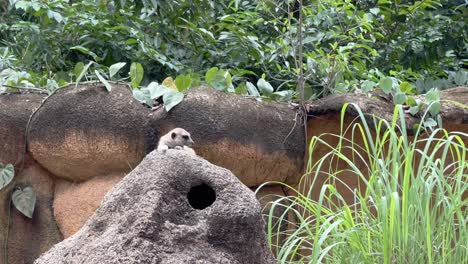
point(172, 208)
point(85, 131)
point(15, 110)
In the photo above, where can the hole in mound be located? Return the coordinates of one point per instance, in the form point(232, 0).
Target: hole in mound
point(201, 196)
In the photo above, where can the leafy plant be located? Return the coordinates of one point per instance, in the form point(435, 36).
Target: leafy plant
point(24, 200)
point(409, 203)
point(334, 47)
point(7, 172)
point(148, 95)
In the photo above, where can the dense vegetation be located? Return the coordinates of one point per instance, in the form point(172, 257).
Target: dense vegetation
point(346, 45)
point(409, 208)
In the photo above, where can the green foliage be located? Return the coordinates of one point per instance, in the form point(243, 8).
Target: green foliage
point(219, 79)
point(346, 45)
point(136, 74)
point(7, 172)
point(115, 68)
point(154, 91)
point(409, 206)
point(24, 200)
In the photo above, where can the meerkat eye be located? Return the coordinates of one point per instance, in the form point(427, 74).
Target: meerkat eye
point(185, 137)
point(173, 135)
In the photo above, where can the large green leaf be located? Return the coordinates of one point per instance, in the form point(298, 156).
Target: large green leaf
point(7, 173)
point(87, 52)
point(142, 95)
point(432, 95)
point(24, 200)
point(171, 99)
point(78, 68)
point(211, 74)
point(114, 68)
point(156, 90)
point(136, 74)
point(219, 79)
point(183, 82)
point(252, 89)
point(368, 86)
point(399, 98)
point(405, 87)
point(386, 84)
point(264, 87)
point(434, 108)
point(241, 89)
point(83, 72)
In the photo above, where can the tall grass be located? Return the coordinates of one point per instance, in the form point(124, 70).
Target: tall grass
point(410, 207)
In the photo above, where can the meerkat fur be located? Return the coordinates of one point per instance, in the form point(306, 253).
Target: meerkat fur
point(177, 138)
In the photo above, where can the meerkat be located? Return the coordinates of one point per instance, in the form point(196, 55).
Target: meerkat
point(177, 138)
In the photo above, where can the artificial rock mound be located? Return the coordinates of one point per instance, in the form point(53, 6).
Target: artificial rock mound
point(172, 208)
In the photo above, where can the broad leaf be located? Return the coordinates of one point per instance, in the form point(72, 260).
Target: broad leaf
point(399, 98)
point(432, 95)
point(171, 99)
point(81, 49)
point(283, 96)
point(252, 89)
point(410, 101)
point(461, 78)
point(228, 78)
point(114, 68)
point(218, 79)
point(241, 89)
point(103, 80)
point(78, 68)
point(368, 86)
point(143, 96)
point(83, 72)
point(86, 51)
point(7, 173)
point(386, 84)
point(414, 110)
point(211, 74)
point(405, 87)
point(156, 90)
point(429, 122)
point(51, 86)
point(136, 74)
point(24, 200)
point(264, 86)
point(183, 82)
point(169, 83)
point(434, 108)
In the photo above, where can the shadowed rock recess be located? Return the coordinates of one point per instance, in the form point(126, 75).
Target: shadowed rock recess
point(172, 208)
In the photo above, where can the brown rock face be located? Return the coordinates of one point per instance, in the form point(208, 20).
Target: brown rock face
point(257, 141)
point(86, 131)
point(15, 110)
point(173, 208)
point(28, 238)
point(74, 203)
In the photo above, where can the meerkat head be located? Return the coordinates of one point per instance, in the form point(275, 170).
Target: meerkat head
point(180, 137)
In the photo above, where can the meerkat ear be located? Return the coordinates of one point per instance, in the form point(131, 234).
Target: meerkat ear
point(173, 135)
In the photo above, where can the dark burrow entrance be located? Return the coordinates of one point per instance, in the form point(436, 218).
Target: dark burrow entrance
point(201, 196)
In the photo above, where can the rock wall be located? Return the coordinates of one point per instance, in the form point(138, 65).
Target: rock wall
point(83, 140)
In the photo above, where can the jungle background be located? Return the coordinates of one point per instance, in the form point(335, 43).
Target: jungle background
point(251, 47)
